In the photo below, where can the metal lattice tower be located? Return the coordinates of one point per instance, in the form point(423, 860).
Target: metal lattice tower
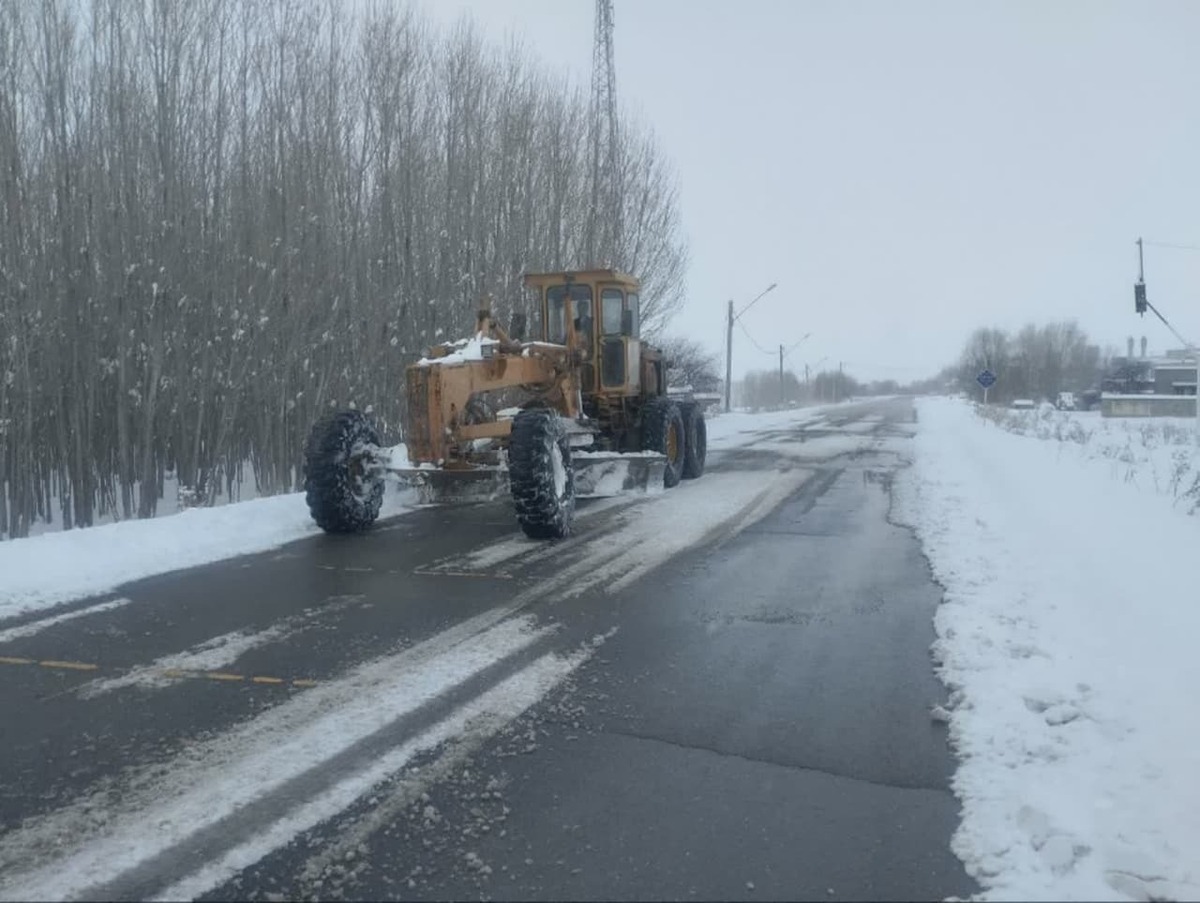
point(603, 229)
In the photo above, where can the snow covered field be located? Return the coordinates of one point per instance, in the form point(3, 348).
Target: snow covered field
point(56, 567)
point(1156, 453)
point(1068, 638)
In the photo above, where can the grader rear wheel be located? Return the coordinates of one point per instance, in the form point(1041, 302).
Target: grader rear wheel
point(697, 442)
point(663, 432)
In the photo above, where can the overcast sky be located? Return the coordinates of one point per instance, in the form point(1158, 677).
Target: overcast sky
point(907, 171)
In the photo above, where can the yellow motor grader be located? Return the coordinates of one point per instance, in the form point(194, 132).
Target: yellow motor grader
point(592, 417)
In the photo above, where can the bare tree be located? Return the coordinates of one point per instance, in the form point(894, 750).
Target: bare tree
point(690, 364)
point(222, 217)
point(1038, 362)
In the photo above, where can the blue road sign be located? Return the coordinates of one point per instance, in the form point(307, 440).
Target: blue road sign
point(987, 379)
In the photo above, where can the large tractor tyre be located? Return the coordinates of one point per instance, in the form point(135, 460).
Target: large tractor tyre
point(695, 449)
point(540, 474)
point(663, 432)
point(343, 492)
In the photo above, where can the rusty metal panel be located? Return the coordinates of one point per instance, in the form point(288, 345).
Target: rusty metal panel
point(416, 421)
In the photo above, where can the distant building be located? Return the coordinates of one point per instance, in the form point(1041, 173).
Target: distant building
point(1175, 373)
point(1151, 386)
point(1129, 376)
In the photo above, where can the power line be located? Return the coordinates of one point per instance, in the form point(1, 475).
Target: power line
point(752, 342)
point(788, 351)
point(1167, 244)
point(1167, 323)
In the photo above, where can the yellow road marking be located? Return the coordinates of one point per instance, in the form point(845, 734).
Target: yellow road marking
point(71, 666)
point(170, 673)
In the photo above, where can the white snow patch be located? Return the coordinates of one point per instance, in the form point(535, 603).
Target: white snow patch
point(35, 627)
point(464, 350)
point(216, 653)
point(688, 514)
point(1068, 636)
point(42, 571)
point(396, 458)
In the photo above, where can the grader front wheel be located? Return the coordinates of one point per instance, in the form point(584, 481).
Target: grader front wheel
point(540, 474)
point(344, 492)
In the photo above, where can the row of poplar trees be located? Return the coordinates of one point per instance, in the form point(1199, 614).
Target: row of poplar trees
point(223, 217)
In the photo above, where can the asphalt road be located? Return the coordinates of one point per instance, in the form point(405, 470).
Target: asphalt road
point(721, 692)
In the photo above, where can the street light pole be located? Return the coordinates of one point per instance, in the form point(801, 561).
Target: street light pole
point(729, 340)
point(784, 351)
point(728, 355)
point(781, 376)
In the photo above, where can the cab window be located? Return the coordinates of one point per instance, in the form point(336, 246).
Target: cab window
point(611, 304)
point(634, 308)
point(556, 298)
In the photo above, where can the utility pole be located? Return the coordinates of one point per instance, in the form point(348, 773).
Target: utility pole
point(784, 352)
point(1141, 304)
point(729, 340)
point(728, 355)
point(781, 376)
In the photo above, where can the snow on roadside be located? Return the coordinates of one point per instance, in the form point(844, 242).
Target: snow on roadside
point(42, 571)
point(1158, 453)
point(1067, 636)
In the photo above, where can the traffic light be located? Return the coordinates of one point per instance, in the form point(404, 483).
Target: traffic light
point(1139, 297)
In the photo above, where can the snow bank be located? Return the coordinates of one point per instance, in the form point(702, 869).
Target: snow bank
point(43, 571)
point(1068, 638)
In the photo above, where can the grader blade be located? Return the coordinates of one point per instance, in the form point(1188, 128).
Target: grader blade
point(601, 474)
point(455, 487)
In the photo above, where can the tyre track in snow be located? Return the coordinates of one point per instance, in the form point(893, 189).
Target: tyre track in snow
point(75, 756)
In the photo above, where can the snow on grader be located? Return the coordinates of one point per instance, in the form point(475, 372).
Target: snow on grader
point(593, 419)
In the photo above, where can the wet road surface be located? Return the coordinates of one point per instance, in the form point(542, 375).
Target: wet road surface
point(720, 692)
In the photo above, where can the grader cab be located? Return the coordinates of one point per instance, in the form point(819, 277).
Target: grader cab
point(589, 415)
